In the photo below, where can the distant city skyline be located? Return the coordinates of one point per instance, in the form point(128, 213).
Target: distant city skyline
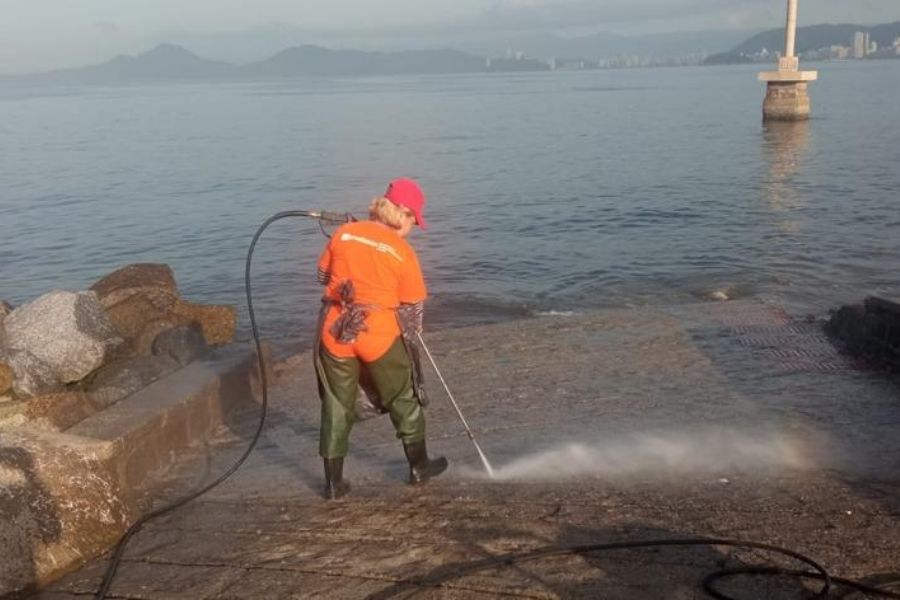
point(53, 34)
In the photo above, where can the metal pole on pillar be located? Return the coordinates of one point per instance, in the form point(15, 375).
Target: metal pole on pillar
point(790, 30)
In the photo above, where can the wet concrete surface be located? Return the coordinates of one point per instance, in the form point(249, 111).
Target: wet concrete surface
point(730, 420)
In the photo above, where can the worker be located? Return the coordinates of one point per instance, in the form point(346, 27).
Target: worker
point(374, 292)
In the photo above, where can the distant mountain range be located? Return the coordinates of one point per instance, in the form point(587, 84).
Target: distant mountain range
point(302, 61)
point(170, 62)
point(809, 38)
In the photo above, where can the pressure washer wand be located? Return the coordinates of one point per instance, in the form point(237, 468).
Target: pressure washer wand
point(471, 435)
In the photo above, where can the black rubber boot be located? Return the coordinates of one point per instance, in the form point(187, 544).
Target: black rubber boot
point(335, 486)
point(422, 468)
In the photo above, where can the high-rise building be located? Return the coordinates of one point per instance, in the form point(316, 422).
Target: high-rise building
point(860, 44)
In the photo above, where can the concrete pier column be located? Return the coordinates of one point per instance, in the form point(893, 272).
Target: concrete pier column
point(787, 96)
point(786, 101)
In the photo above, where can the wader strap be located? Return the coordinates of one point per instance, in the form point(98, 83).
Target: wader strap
point(317, 339)
point(410, 341)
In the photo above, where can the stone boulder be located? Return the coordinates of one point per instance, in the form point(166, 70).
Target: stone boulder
point(143, 344)
point(142, 302)
point(5, 309)
point(184, 343)
point(31, 375)
point(870, 331)
point(49, 412)
point(68, 331)
point(140, 319)
point(154, 281)
point(217, 321)
point(6, 378)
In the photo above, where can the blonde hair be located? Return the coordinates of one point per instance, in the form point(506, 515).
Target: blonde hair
point(385, 211)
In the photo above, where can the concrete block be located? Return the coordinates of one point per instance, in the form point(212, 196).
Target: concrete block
point(60, 504)
point(152, 425)
point(67, 497)
point(119, 379)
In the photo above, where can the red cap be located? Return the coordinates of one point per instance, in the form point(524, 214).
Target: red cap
point(407, 193)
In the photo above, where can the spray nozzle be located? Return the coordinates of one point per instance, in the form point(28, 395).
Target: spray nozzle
point(332, 217)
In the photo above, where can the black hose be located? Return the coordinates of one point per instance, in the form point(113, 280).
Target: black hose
point(511, 559)
point(119, 550)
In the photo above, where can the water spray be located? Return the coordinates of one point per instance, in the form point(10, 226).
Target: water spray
point(484, 460)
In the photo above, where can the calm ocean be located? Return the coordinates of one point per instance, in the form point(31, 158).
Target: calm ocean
point(548, 191)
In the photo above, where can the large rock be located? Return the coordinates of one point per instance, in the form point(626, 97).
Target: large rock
point(870, 331)
point(49, 412)
point(217, 321)
point(131, 316)
point(184, 343)
point(120, 379)
point(3, 343)
point(31, 375)
point(151, 280)
point(142, 302)
point(5, 309)
point(143, 344)
point(69, 331)
point(6, 378)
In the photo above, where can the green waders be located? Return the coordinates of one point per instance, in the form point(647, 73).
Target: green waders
point(391, 378)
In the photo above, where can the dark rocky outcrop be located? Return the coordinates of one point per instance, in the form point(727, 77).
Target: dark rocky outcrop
point(870, 330)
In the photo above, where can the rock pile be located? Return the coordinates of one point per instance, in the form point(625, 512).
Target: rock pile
point(870, 330)
point(83, 351)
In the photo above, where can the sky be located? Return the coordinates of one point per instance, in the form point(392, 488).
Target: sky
point(39, 35)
